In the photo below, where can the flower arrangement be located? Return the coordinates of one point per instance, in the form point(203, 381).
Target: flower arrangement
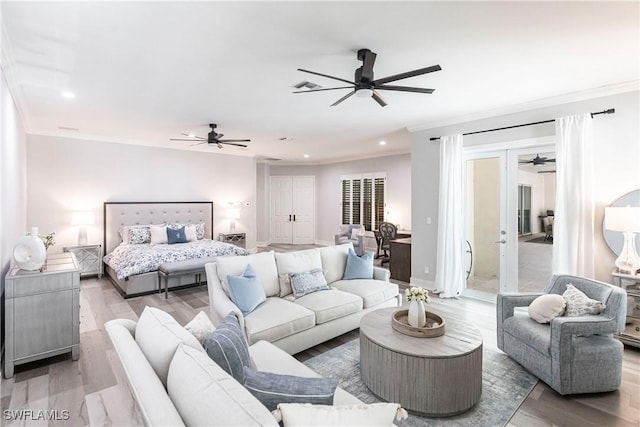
point(417, 294)
point(49, 240)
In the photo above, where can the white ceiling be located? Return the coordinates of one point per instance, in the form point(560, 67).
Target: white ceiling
point(145, 72)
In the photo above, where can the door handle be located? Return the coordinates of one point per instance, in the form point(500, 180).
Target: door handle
point(501, 241)
point(294, 217)
point(289, 217)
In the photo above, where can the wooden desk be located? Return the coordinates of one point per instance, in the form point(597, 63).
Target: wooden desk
point(400, 262)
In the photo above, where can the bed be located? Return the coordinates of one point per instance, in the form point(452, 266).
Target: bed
point(132, 268)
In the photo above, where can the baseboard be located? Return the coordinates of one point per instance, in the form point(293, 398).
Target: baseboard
point(263, 244)
point(324, 243)
point(427, 284)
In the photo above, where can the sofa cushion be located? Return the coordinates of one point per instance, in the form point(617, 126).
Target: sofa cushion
point(158, 335)
point(295, 262)
point(358, 267)
point(536, 335)
point(275, 319)
point(272, 389)
point(334, 261)
point(204, 394)
point(246, 290)
point(228, 348)
point(308, 282)
point(331, 304)
point(263, 263)
point(372, 292)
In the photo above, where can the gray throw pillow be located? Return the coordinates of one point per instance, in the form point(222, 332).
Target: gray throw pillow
point(228, 348)
point(308, 282)
point(272, 389)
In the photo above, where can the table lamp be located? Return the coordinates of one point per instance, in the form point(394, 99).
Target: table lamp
point(627, 221)
point(82, 219)
point(233, 214)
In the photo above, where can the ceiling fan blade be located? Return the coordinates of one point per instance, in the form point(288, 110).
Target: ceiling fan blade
point(551, 160)
point(525, 161)
point(379, 99)
point(343, 98)
point(405, 89)
point(320, 90)
point(326, 75)
point(407, 75)
point(181, 139)
point(199, 143)
point(367, 65)
point(226, 141)
point(232, 143)
point(192, 136)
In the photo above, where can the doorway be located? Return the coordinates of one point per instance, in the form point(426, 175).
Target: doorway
point(292, 215)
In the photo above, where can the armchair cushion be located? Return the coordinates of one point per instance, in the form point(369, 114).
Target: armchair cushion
point(536, 335)
point(547, 307)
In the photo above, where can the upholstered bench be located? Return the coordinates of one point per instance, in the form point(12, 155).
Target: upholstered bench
point(181, 268)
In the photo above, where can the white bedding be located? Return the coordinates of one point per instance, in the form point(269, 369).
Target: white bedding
point(128, 260)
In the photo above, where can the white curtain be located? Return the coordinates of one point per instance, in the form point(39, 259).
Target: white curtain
point(450, 271)
point(573, 228)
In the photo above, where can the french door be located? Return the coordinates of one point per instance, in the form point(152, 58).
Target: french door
point(292, 209)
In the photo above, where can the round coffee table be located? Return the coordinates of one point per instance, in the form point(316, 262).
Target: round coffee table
point(438, 377)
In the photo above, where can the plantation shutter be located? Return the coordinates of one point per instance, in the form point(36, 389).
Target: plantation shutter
point(367, 200)
point(346, 201)
point(357, 201)
point(363, 200)
point(379, 201)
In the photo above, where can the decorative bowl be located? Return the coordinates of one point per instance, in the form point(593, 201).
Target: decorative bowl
point(433, 328)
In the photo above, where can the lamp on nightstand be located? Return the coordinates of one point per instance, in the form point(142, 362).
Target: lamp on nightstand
point(82, 219)
point(233, 213)
point(627, 221)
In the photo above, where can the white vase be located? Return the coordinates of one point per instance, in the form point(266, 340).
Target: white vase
point(417, 315)
point(30, 252)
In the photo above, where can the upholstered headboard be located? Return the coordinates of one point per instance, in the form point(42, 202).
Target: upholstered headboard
point(119, 214)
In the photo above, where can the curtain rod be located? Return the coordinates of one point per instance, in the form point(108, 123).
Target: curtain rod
point(609, 111)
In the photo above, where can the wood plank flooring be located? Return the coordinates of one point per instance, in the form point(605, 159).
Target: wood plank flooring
point(95, 392)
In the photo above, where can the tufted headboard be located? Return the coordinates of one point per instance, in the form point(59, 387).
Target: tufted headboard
point(119, 214)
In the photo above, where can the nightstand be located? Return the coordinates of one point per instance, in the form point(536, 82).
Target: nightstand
point(631, 283)
point(238, 239)
point(89, 258)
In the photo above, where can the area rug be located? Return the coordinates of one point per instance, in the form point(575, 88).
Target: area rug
point(505, 384)
point(540, 239)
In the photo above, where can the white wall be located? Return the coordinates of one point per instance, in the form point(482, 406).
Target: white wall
point(398, 190)
point(617, 153)
point(13, 184)
point(70, 174)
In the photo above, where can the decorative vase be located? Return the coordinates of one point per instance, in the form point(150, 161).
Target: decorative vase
point(417, 316)
point(30, 252)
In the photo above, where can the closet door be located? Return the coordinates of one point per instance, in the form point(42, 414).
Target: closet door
point(281, 215)
point(303, 209)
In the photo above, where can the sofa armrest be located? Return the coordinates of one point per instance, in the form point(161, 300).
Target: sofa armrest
point(381, 274)
point(220, 303)
point(583, 325)
point(505, 304)
point(156, 408)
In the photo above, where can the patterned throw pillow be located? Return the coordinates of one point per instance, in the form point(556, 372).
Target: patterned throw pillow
point(200, 230)
point(200, 326)
point(139, 235)
point(272, 389)
point(176, 235)
point(579, 304)
point(308, 282)
point(228, 348)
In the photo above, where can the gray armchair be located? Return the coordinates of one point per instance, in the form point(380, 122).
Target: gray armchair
point(344, 236)
point(571, 354)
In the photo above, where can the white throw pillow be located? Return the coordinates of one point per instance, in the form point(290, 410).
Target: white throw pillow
point(306, 414)
point(200, 326)
point(579, 304)
point(204, 394)
point(158, 335)
point(547, 307)
point(334, 261)
point(191, 233)
point(158, 234)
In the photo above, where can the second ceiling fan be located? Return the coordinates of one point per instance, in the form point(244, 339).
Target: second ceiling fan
point(213, 138)
point(364, 84)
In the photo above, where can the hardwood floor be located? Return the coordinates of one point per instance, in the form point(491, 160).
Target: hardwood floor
point(95, 392)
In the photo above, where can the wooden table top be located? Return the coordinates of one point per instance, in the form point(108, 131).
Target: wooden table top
point(460, 337)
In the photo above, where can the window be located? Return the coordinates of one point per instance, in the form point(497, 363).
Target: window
point(363, 199)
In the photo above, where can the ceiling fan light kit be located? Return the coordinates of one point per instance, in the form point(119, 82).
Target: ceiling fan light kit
point(364, 84)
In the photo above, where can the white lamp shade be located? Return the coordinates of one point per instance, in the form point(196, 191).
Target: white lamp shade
point(622, 219)
point(82, 218)
point(233, 213)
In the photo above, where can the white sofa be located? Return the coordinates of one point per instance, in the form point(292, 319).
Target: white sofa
point(199, 392)
point(295, 325)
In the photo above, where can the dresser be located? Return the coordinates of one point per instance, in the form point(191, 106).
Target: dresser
point(42, 312)
point(400, 259)
point(89, 259)
point(631, 283)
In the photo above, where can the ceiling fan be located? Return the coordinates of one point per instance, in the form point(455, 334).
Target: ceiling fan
point(364, 85)
point(537, 160)
point(213, 138)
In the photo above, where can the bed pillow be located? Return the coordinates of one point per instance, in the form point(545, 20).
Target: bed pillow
point(547, 307)
point(176, 235)
point(308, 282)
point(139, 235)
point(200, 230)
point(246, 290)
point(228, 348)
point(272, 389)
point(358, 267)
point(191, 232)
point(305, 414)
point(158, 234)
point(579, 304)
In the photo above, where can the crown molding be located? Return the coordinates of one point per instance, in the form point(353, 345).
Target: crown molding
point(598, 92)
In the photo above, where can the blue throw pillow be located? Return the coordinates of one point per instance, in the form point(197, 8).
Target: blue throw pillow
point(246, 290)
point(358, 267)
point(272, 389)
point(176, 235)
point(228, 348)
point(308, 282)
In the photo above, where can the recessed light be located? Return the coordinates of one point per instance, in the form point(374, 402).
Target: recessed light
point(306, 156)
point(67, 94)
point(383, 143)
